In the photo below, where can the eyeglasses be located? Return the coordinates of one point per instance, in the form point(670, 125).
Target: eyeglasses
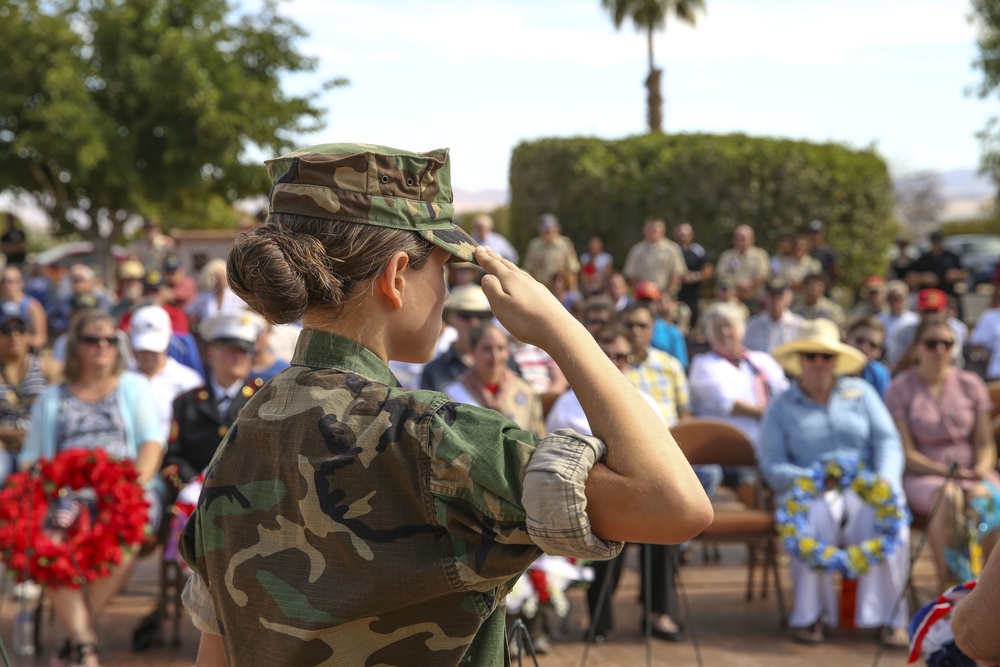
point(597, 323)
point(813, 356)
point(473, 315)
point(97, 340)
point(866, 342)
point(934, 343)
point(636, 325)
point(11, 329)
point(620, 357)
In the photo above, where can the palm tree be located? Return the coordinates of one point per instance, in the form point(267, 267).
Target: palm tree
point(651, 15)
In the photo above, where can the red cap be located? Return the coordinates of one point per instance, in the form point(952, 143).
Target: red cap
point(932, 299)
point(875, 282)
point(647, 290)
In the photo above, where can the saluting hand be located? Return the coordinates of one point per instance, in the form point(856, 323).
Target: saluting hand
point(525, 307)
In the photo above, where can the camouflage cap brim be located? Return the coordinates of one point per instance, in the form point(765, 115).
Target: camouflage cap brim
point(455, 240)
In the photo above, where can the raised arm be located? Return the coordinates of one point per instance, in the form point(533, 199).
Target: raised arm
point(646, 491)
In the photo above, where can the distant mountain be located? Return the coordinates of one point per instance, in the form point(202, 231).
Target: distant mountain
point(966, 184)
point(480, 200)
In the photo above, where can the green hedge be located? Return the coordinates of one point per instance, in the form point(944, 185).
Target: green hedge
point(714, 182)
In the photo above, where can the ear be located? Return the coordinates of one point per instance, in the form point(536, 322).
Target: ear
point(390, 283)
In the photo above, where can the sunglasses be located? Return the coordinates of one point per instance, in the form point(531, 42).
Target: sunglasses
point(866, 342)
point(934, 343)
point(473, 315)
point(598, 323)
point(11, 329)
point(97, 340)
point(620, 357)
point(813, 356)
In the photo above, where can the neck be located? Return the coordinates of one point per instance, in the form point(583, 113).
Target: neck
point(775, 316)
point(226, 380)
point(491, 376)
point(96, 376)
point(932, 373)
point(817, 388)
point(354, 323)
point(160, 364)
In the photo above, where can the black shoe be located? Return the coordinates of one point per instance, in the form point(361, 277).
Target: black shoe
point(675, 636)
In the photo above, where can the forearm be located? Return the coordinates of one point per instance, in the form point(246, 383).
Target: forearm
point(919, 464)
point(642, 460)
point(974, 618)
point(147, 463)
point(743, 409)
point(211, 651)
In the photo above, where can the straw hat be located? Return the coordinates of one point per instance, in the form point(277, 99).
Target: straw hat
point(822, 336)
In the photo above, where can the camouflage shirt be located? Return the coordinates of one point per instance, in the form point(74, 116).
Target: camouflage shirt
point(346, 521)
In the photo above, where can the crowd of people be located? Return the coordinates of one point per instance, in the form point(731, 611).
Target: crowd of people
point(156, 367)
point(153, 368)
point(767, 343)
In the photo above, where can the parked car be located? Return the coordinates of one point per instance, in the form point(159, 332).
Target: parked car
point(979, 254)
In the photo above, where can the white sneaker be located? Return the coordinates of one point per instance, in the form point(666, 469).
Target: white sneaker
point(27, 590)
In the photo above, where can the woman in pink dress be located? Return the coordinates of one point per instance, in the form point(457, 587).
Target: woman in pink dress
point(943, 417)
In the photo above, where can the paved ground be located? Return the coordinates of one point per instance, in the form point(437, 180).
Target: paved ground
point(727, 629)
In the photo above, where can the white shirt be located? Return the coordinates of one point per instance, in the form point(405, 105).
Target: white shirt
point(716, 385)
point(567, 412)
point(764, 334)
point(167, 384)
point(205, 305)
point(892, 323)
point(987, 334)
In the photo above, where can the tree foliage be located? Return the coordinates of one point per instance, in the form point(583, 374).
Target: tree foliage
point(986, 17)
point(714, 182)
point(112, 108)
point(650, 16)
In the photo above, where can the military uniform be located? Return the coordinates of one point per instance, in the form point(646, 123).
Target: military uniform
point(346, 521)
point(198, 427)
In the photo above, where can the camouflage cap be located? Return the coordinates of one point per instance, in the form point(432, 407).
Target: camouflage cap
point(371, 185)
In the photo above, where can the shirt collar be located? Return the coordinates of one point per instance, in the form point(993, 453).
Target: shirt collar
point(229, 392)
point(321, 349)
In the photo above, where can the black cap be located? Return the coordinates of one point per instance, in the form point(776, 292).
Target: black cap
point(815, 226)
point(172, 263)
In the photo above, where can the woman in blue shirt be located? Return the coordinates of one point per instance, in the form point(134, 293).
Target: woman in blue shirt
point(824, 414)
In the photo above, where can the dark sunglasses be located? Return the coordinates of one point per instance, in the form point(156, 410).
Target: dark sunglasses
point(813, 356)
point(97, 340)
point(473, 315)
point(11, 329)
point(934, 343)
point(866, 342)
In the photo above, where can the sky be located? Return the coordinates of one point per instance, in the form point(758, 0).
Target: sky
point(480, 76)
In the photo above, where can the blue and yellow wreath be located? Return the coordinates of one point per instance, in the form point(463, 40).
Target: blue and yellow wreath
point(792, 518)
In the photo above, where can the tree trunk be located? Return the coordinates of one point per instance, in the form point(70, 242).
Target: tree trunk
point(654, 98)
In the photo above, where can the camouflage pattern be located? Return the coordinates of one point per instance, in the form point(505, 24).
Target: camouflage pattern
point(372, 185)
point(346, 521)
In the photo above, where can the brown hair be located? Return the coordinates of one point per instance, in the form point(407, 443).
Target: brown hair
point(76, 326)
point(866, 322)
point(480, 330)
point(293, 263)
point(928, 322)
point(611, 333)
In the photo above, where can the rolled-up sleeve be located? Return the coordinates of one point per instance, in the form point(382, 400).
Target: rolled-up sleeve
point(198, 601)
point(555, 498)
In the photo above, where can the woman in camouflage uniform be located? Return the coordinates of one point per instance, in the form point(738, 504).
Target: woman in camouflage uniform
point(346, 521)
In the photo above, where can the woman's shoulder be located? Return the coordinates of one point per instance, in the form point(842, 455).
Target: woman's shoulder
point(969, 382)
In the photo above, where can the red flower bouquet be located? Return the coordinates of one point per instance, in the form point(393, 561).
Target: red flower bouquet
point(88, 549)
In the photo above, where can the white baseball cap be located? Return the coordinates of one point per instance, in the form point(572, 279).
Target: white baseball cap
point(150, 329)
point(241, 328)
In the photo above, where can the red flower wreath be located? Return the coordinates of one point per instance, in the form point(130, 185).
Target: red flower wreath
point(95, 544)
